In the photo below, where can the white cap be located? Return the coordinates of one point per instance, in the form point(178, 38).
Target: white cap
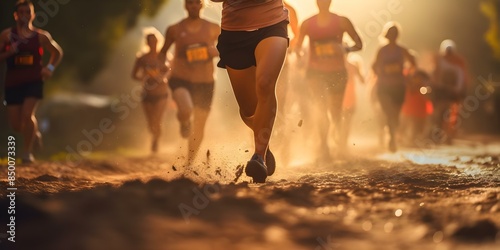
point(447, 44)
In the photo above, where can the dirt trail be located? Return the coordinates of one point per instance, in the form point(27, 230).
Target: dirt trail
point(382, 201)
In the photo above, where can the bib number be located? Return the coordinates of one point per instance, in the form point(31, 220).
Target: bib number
point(393, 69)
point(197, 53)
point(326, 49)
point(23, 60)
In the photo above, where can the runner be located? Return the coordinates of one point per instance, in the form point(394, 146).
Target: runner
point(417, 108)
point(192, 78)
point(390, 86)
point(150, 70)
point(253, 46)
point(22, 46)
point(451, 77)
point(326, 71)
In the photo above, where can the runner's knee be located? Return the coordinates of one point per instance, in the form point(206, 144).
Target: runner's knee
point(247, 119)
point(265, 85)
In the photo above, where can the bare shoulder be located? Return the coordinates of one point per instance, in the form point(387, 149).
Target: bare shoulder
point(307, 22)
point(175, 26)
point(172, 29)
point(214, 28)
point(383, 50)
point(344, 20)
point(309, 19)
point(139, 59)
point(404, 49)
point(44, 35)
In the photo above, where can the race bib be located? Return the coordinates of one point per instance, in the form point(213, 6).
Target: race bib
point(326, 49)
point(393, 68)
point(197, 53)
point(153, 73)
point(23, 60)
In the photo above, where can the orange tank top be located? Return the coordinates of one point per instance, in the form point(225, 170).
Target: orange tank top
point(26, 65)
point(325, 43)
point(193, 46)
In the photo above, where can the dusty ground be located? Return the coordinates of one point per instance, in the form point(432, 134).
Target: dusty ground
point(441, 198)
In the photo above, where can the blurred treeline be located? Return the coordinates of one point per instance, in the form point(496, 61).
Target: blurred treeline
point(86, 29)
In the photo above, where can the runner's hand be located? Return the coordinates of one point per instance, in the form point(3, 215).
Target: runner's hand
point(46, 73)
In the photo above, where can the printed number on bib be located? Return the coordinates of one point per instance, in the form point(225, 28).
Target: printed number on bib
point(393, 68)
point(197, 53)
point(24, 60)
point(326, 49)
point(152, 72)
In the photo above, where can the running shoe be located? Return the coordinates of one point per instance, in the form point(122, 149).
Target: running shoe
point(28, 158)
point(256, 168)
point(270, 162)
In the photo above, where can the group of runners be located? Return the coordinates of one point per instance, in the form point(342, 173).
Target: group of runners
point(252, 44)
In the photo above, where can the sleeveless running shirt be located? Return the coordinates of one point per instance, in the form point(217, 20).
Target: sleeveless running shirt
point(26, 65)
point(153, 71)
point(193, 47)
point(325, 43)
point(248, 15)
point(391, 65)
point(450, 75)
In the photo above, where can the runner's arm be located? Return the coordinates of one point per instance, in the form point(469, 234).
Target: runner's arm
point(411, 58)
point(376, 64)
point(169, 40)
point(136, 69)
point(56, 53)
point(300, 38)
point(215, 35)
point(351, 31)
point(4, 38)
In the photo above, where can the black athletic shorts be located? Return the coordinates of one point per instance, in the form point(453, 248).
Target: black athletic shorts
point(201, 93)
point(395, 93)
point(237, 48)
point(15, 95)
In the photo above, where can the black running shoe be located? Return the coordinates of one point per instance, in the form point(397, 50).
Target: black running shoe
point(256, 169)
point(270, 162)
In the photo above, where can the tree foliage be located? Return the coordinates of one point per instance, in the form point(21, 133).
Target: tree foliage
point(491, 9)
